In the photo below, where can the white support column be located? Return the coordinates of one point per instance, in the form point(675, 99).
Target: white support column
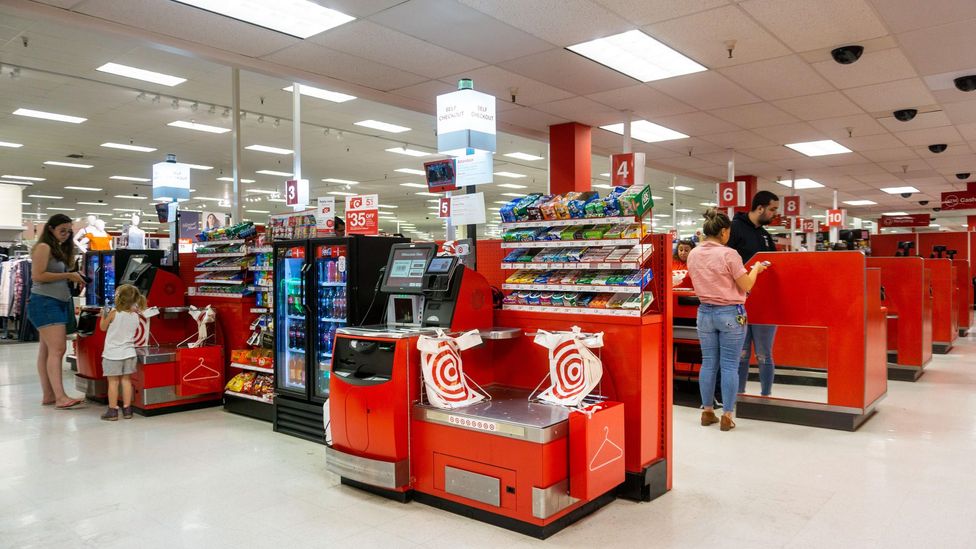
point(730, 176)
point(237, 206)
point(296, 130)
point(834, 231)
point(627, 140)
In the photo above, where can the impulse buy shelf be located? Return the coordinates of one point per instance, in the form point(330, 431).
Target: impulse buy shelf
point(223, 271)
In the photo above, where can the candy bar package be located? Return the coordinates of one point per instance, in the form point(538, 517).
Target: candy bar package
point(572, 233)
point(545, 299)
point(595, 232)
point(533, 211)
point(617, 231)
point(543, 278)
point(579, 300)
point(521, 209)
point(634, 230)
point(507, 211)
point(533, 298)
point(550, 233)
point(617, 301)
point(595, 255)
point(522, 298)
point(617, 278)
point(595, 208)
point(557, 300)
point(561, 206)
point(510, 299)
point(514, 255)
point(573, 255)
point(514, 277)
point(600, 278)
point(548, 208)
point(577, 206)
point(585, 278)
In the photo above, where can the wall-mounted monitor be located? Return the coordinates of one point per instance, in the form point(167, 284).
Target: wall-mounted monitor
point(441, 175)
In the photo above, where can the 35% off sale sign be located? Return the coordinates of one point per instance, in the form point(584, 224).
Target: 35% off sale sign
point(362, 214)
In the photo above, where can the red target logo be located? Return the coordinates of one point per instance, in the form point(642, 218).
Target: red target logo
point(569, 378)
point(446, 373)
point(142, 332)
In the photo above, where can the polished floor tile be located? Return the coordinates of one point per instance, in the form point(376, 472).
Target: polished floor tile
point(211, 479)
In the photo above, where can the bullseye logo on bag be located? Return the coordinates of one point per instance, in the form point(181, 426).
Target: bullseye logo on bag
point(569, 370)
point(142, 332)
point(446, 374)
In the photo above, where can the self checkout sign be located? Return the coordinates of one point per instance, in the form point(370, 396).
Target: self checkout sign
point(836, 218)
point(362, 214)
point(626, 169)
point(792, 206)
point(732, 194)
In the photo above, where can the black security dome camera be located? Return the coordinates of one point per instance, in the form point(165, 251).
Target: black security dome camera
point(940, 147)
point(845, 55)
point(904, 115)
point(966, 83)
point(906, 195)
point(923, 202)
point(962, 175)
point(936, 209)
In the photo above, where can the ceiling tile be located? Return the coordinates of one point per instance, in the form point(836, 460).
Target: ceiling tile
point(705, 90)
point(791, 133)
point(738, 140)
point(583, 110)
point(342, 66)
point(891, 96)
point(906, 15)
point(874, 67)
point(561, 22)
point(814, 107)
point(928, 136)
point(569, 71)
point(871, 142)
point(702, 37)
point(805, 25)
point(643, 12)
point(461, 29)
point(696, 123)
point(643, 100)
point(929, 119)
point(891, 155)
point(530, 118)
point(777, 152)
point(499, 82)
point(778, 78)
point(962, 112)
point(941, 49)
point(428, 91)
point(754, 115)
point(694, 144)
point(858, 125)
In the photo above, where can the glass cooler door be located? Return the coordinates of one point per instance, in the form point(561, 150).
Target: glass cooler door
point(290, 320)
point(331, 270)
point(93, 266)
point(108, 279)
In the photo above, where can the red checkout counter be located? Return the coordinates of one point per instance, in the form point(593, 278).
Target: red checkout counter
point(167, 378)
point(520, 464)
point(964, 285)
point(945, 317)
point(907, 296)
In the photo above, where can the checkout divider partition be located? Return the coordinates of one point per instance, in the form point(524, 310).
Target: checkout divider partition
point(945, 318)
point(908, 299)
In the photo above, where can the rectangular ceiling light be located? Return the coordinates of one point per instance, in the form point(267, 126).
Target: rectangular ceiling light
point(523, 156)
point(683, 210)
point(425, 193)
point(408, 152)
point(10, 145)
point(343, 193)
point(319, 93)
point(682, 188)
point(21, 183)
point(899, 190)
point(276, 200)
point(197, 127)
point(894, 213)
point(49, 116)
point(267, 149)
point(819, 148)
point(68, 164)
point(411, 171)
point(340, 181)
point(645, 131)
point(127, 178)
point(382, 126)
point(60, 209)
point(231, 179)
point(708, 204)
point(511, 175)
point(637, 55)
point(860, 202)
point(130, 196)
point(197, 166)
point(45, 196)
point(141, 74)
point(604, 175)
point(414, 185)
point(24, 177)
point(91, 203)
point(272, 172)
point(511, 186)
point(126, 210)
point(298, 18)
point(516, 195)
point(261, 191)
point(93, 189)
point(125, 147)
point(802, 184)
point(388, 206)
point(257, 211)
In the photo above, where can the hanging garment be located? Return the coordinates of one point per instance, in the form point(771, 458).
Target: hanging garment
point(99, 243)
point(445, 383)
point(574, 371)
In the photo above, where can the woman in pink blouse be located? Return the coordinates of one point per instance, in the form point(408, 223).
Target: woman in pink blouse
point(721, 283)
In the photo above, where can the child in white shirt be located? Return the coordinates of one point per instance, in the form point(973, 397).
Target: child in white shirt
point(119, 355)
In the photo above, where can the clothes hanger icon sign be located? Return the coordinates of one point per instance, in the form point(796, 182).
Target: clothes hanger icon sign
point(201, 372)
point(607, 453)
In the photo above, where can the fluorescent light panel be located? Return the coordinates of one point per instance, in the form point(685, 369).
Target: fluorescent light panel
point(388, 206)
point(197, 166)
point(682, 188)
point(197, 127)
point(382, 126)
point(516, 195)
point(645, 131)
point(637, 55)
point(425, 193)
point(261, 191)
point(340, 181)
point(60, 209)
point(319, 93)
point(894, 213)
point(73, 188)
point(129, 196)
point(299, 18)
point(10, 145)
point(50, 116)
point(24, 177)
point(413, 185)
point(91, 203)
point(412, 171)
point(68, 164)
point(860, 202)
point(123, 146)
point(802, 184)
point(819, 148)
point(141, 74)
point(231, 179)
point(272, 172)
point(523, 156)
point(511, 175)
point(343, 193)
point(899, 190)
point(127, 178)
point(513, 186)
point(52, 197)
point(267, 149)
point(407, 152)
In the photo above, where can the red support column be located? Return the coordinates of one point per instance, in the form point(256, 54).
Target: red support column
point(752, 187)
point(569, 158)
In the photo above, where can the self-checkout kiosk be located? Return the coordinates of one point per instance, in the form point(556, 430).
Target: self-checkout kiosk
point(505, 460)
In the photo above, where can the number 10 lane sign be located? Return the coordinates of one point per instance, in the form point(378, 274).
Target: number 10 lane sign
point(362, 214)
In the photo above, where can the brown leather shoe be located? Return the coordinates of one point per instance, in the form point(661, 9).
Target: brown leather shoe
point(727, 423)
point(708, 418)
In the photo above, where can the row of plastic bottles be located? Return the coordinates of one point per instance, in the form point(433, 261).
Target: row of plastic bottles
point(332, 302)
point(332, 264)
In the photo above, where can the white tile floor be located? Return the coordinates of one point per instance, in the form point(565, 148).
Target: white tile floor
point(212, 479)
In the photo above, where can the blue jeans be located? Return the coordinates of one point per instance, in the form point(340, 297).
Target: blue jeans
point(761, 337)
point(720, 337)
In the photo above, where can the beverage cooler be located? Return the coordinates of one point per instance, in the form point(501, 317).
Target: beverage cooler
point(320, 286)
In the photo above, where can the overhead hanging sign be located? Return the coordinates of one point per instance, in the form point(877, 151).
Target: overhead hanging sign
point(467, 209)
point(296, 193)
point(444, 207)
point(362, 214)
point(836, 218)
point(807, 225)
point(325, 215)
point(473, 169)
point(465, 123)
point(732, 194)
point(792, 206)
point(959, 200)
point(171, 181)
point(626, 169)
point(913, 220)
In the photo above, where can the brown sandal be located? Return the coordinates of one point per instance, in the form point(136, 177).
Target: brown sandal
point(727, 423)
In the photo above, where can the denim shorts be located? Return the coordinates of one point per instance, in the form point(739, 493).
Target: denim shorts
point(46, 311)
point(122, 367)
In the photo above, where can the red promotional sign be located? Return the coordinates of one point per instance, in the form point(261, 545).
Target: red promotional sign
point(362, 214)
point(732, 194)
point(792, 206)
point(444, 207)
point(836, 218)
point(914, 220)
point(959, 200)
point(626, 169)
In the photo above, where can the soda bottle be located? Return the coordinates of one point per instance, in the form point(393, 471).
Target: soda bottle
point(341, 266)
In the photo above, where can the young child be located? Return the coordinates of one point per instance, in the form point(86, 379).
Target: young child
point(119, 356)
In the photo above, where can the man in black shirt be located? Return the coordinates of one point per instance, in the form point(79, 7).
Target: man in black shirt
point(748, 237)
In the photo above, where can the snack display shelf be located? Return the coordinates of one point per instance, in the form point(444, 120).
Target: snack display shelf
point(260, 288)
point(217, 281)
point(252, 368)
point(222, 254)
point(260, 268)
point(573, 310)
point(249, 397)
point(225, 268)
point(215, 294)
point(574, 288)
point(261, 250)
point(571, 222)
point(571, 243)
point(209, 242)
point(259, 310)
point(514, 266)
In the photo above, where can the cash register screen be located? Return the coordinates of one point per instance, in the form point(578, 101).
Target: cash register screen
point(405, 268)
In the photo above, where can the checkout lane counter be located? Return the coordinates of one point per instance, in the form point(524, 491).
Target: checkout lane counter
point(907, 296)
point(505, 460)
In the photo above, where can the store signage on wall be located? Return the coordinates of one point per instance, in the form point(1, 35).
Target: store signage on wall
point(362, 214)
point(473, 169)
point(626, 169)
point(171, 181)
point(959, 200)
point(465, 120)
point(468, 209)
point(836, 218)
point(296, 193)
point(325, 215)
point(792, 206)
point(732, 194)
point(913, 220)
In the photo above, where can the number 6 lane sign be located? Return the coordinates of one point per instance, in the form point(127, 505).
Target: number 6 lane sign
point(732, 194)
